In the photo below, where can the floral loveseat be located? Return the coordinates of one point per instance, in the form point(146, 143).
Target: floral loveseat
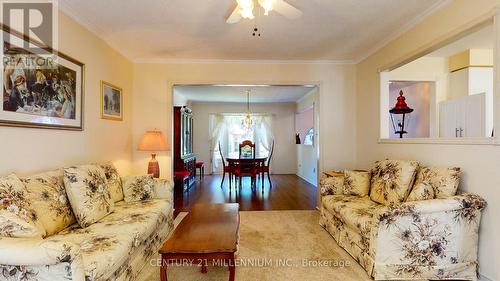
point(41, 217)
point(401, 221)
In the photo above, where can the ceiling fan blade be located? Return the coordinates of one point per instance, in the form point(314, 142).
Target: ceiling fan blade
point(235, 16)
point(287, 10)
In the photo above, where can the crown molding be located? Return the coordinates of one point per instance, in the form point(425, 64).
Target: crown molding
point(404, 28)
point(71, 10)
point(225, 61)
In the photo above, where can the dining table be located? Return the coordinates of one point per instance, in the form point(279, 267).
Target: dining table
point(248, 161)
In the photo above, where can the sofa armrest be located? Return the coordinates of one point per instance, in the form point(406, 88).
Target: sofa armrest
point(46, 259)
point(26, 251)
point(462, 202)
point(429, 234)
point(164, 189)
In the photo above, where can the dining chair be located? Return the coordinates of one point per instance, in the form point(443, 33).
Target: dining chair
point(227, 168)
point(247, 143)
point(261, 170)
point(246, 170)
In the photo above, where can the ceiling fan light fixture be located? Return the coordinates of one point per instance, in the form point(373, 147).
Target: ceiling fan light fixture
point(245, 8)
point(247, 14)
point(267, 5)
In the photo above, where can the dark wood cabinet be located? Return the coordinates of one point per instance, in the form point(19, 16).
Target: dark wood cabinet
point(184, 158)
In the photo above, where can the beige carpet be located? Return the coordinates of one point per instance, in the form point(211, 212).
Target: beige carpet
point(277, 243)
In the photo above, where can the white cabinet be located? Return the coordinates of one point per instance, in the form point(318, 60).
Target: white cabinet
point(472, 81)
point(448, 123)
point(463, 117)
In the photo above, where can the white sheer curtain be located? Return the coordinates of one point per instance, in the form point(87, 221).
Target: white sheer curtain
point(225, 129)
point(218, 129)
point(264, 131)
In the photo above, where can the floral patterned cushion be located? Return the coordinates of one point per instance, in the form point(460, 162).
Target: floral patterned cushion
point(47, 194)
point(356, 212)
point(392, 180)
point(356, 183)
point(137, 188)
point(108, 243)
point(114, 181)
point(17, 217)
point(87, 193)
point(331, 185)
point(444, 180)
point(163, 189)
point(102, 253)
point(421, 191)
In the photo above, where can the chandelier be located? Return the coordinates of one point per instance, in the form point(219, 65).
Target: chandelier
point(247, 122)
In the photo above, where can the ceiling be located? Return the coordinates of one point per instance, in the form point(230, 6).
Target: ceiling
point(237, 94)
point(340, 30)
point(398, 85)
point(483, 38)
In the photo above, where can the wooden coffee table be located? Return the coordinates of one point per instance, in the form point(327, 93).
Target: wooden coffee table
point(208, 234)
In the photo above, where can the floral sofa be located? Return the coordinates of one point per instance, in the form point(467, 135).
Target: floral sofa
point(81, 223)
point(402, 221)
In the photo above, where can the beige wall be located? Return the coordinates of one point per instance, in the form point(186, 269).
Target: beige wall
point(152, 102)
point(284, 157)
point(480, 164)
point(30, 150)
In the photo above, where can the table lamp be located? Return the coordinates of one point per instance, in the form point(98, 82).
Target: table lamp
point(153, 141)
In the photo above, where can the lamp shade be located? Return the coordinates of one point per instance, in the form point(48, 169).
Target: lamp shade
point(153, 141)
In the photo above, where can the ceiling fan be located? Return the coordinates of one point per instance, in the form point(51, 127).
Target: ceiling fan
point(244, 9)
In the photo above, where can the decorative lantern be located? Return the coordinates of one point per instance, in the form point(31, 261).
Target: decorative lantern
point(400, 116)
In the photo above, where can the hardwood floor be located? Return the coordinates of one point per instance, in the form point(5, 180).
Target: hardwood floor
point(288, 192)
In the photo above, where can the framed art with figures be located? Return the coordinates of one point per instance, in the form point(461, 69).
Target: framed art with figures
point(111, 102)
point(40, 89)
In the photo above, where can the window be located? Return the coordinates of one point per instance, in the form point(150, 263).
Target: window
point(309, 137)
point(227, 130)
point(236, 134)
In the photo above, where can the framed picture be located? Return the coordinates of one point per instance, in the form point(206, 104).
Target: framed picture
point(40, 90)
point(111, 102)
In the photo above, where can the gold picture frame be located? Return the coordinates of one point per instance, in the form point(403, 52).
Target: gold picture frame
point(110, 104)
point(55, 99)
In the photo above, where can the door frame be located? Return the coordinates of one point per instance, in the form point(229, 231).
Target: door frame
point(318, 143)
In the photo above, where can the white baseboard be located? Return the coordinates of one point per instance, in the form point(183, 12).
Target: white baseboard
point(484, 278)
point(300, 176)
point(283, 172)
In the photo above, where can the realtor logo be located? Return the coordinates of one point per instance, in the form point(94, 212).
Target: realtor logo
point(34, 19)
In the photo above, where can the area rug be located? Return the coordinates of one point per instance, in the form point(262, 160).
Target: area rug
point(276, 245)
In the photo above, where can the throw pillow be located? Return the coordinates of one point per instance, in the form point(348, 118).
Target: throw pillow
point(88, 194)
point(392, 180)
point(114, 181)
point(421, 191)
point(357, 182)
point(17, 217)
point(332, 185)
point(163, 188)
point(138, 188)
point(444, 180)
point(47, 194)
